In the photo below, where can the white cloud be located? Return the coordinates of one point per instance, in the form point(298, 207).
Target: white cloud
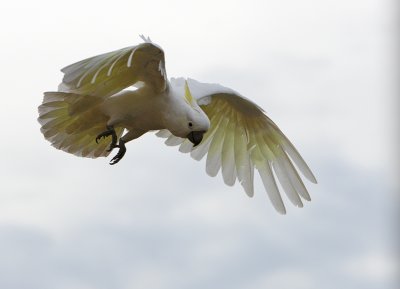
point(375, 266)
point(285, 279)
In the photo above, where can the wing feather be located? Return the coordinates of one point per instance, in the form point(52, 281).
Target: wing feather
point(201, 150)
point(213, 163)
point(273, 154)
point(108, 73)
point(228, 155)
point(242, 138)
point(298, 160)
point(186, 146)
point(294, 177)
point(244, 168)
point(164, 133)
point(173, 140)
point(268, 179)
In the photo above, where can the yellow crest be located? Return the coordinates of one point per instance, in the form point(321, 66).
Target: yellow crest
point(188, 96)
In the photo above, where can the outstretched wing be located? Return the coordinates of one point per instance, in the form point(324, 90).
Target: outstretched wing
point(241, 137)
point(108, 73)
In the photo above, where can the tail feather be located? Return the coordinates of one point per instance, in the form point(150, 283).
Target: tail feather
point(71, 123)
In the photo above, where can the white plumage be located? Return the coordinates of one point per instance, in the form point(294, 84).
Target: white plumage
point(93, 103)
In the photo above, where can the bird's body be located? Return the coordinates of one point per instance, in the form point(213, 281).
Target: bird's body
point(130, 109)
point(94, 102)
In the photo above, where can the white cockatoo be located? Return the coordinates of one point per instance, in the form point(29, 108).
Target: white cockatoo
point(92, 108)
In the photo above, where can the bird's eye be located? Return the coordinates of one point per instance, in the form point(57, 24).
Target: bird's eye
point(190, 124)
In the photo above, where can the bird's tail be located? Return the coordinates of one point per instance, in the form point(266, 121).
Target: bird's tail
point(71, 123)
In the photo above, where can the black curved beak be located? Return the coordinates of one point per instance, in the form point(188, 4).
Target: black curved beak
point(196, 137)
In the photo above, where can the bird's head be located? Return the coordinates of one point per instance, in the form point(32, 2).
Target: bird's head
point(191, 121)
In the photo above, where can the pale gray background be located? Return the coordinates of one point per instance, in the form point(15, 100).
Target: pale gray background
point(323, 70)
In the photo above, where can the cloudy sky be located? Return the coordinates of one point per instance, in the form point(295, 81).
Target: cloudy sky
point(325, 73)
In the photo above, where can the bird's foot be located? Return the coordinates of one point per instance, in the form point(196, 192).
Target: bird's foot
point(110, 131)
point(120, 154)
point(112, 146)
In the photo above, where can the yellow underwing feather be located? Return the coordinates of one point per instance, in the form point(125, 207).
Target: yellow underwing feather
point(65, 123)
point(242, 159)
point(270, 150)
point(228, 155)
point(108, 73)
point(267, 178)
point(201, 150)
point(294, 177)
point(213, 163)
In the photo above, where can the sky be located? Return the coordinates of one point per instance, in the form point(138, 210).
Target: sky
point(324, 71)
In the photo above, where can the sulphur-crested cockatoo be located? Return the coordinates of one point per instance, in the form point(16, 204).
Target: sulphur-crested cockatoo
point(93, 107)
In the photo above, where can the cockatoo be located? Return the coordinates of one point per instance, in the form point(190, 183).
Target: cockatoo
point(93, 107)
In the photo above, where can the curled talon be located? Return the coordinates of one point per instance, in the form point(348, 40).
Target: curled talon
point(120, 154)
point(99, 138)
point(110, 131)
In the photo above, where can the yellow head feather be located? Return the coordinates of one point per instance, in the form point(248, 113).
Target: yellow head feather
point(188, 96)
